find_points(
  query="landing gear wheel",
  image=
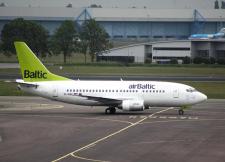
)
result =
(181, 112)
(111, 110)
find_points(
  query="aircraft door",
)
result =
(176, 93)
(55, 91)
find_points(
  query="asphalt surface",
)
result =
(36, 129)
(9, 65)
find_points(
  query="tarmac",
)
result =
(36, 129)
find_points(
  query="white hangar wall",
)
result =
(137, 52)
(167, 50)
(164, 51)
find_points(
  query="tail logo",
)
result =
(35, 74)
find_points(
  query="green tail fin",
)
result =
(31, 67)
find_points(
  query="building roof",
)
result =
(39, 13)
(133, 14)
(110, 14)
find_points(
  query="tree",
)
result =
(83, 48)
(0, 46)
(64, 39)
(96, 38)
(32, 33)
(198, 60)
(186, 60)
(212, 60)
(174, 61)
(221, 61)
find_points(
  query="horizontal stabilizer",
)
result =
(27, 84)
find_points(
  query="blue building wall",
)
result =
(124, 30)
(132, 29)
(2, 23)
(147, 29)
(178, 30)
(51, 26)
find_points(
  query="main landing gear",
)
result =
(110, 110)
(181, 112)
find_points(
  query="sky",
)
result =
(205, 4)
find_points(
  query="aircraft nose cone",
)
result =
(203, 97)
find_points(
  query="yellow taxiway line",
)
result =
(107, 137)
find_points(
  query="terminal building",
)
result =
(165, 51)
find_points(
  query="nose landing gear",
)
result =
(181, 110)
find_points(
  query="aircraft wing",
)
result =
(105, 100)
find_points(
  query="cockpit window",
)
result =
(191, 90)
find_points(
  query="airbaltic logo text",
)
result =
(141, 86)
(35, 74)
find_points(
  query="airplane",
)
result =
(124, 95)
(220, 34)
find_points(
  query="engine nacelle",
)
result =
(133, 105)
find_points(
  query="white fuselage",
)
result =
(92, 93)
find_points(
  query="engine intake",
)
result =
(132, 105)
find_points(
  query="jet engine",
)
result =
(132, 105)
